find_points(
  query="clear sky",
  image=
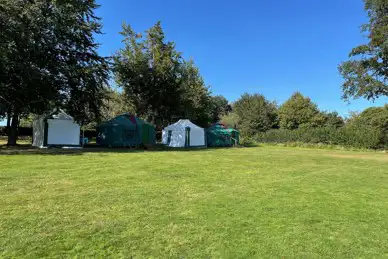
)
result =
(257, 46)
(264, 46)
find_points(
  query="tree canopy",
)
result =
(298, 111)
(162, 86)
(255, 114)
(49, 59)
(366, 74)
(374, 117)
(219, 107)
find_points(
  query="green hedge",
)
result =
(358, 137)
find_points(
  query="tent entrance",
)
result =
(187, 137)
(169, 137)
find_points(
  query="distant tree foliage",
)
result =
(255, 114)
(332, 119)
(195, 100)
(219, 107)
(116, 104)
(299, 111)
(230, 119)
(367, 74)
(374, 117)
(48, 59)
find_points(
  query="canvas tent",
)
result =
(219, 135)
(125, 131)
(184, 133)
(55, 129)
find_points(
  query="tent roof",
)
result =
(125, 119)
(57, 114)
(183, 124)
(221, 127)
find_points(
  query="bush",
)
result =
(247, 141)
(359, 137)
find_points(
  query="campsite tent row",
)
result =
(60, 129)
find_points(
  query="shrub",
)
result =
(359, 137)
(247, 141)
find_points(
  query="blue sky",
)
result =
(257, 46)
(264, 46)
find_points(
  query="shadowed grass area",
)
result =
(22, 141)
(229, 203)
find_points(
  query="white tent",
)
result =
(183, 133)
(55, 129)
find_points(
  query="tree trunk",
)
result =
(8, 123)
(8, 120)
(13, 131)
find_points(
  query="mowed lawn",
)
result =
(214, 203)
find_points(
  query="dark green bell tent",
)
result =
(125, 131)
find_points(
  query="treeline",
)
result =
(299, 120)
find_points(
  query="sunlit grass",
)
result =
(249, 202)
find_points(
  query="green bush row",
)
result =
(358, 137)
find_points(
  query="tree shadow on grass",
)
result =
(29, 150)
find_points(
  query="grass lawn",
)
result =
(229, 203)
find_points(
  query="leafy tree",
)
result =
(255, 114)
(161, 85)
(374, 117)
(116, 104)
(324, 119)
(27, 121)
(219, 106)
(195, 96)
(149, 72)
(367, 74)
(299, 111)
(333, 120)
(230, 119)
(49, 59)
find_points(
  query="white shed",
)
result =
(55, 129)
(184, 133)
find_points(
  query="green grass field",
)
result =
(214, 203)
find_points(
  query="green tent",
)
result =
(218, 135)
(125, 130)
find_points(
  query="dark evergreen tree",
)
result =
(162, 86)
(49, 59)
